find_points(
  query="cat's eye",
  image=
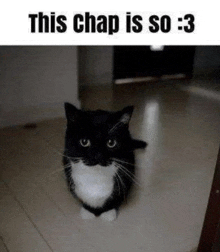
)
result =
(111, 143)
(85, 142)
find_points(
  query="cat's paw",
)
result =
(86, 215)
(110, 215)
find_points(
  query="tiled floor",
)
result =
(167, 206)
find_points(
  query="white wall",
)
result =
(35, 81)
(95, 65)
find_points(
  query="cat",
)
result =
(99, 159)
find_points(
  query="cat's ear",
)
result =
(71, 112)
(126, 114)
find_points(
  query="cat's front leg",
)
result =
(86, 215)
(110, 215)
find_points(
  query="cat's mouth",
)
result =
(96, 162)
(92, 161)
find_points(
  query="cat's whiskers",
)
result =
(73, 159)
(119, 164)
(55, 171)
(121, 161)
(124, 162)
(116, 177)
(122, 167)
(46, 140)
(129, 174)
(122, 183)
(64, 167)
(67, 166)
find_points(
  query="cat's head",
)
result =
(97, 137)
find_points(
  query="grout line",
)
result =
(28, 216)
(52, 200)
(5, 246)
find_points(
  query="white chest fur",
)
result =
(93, 184)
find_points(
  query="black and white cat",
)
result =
(99, 159)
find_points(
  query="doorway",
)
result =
(142, 61)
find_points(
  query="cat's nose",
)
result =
(98, 157)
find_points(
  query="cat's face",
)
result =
(97, 137)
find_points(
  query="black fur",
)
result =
(99, 126)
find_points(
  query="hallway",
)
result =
(174, 174)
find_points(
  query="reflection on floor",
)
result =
(167, 206)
